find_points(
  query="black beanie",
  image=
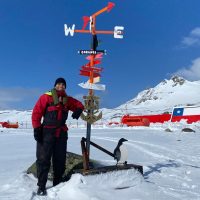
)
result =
(60, 80)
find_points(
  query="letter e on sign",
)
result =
(118, 32)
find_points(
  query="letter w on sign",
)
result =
(69, 30)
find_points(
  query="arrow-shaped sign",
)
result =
(92, 86)
(97, 56)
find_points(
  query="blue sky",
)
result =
(161, 38)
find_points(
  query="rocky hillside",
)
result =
(160, 99)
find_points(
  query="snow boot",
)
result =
(56, 181)
(42, 191)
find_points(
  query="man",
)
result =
(51, 134)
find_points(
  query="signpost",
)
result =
(92, 70)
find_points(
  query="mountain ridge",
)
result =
(176, 91)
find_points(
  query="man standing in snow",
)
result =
(51, 134)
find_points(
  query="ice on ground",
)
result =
(171, 163)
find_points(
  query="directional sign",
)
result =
(95, 62)
(97, 56)
(91, 52)
(92, 86)
(87, 73)
(92, 69)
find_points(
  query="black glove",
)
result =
(38, 134)
(76, 114)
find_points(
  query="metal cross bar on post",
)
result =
(92, 70)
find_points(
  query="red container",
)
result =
(135, 121)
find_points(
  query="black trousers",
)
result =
(51, 148)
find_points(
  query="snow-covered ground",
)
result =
(171, 160)
(171, 163)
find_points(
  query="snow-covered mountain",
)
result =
(160, 99)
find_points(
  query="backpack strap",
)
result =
(53, 93)
(55, 96)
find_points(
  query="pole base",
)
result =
(111, 168)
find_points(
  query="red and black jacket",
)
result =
(53, 111)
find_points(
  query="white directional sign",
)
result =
(92, 86)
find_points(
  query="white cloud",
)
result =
(196, 32)
(17, 95)
(193, 39)
(191, 72)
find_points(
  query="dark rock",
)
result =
(166, 112)
(74, 162)
(177, 80)
(188, 130)
(168, 130)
